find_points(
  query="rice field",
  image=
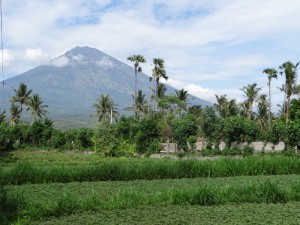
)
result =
(39, 189)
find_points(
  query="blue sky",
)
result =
(209, 46)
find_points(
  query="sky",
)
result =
(210, 47)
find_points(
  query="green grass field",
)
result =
(270, 196)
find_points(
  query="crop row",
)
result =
(202, 194)
(246, 214)
(146, 169)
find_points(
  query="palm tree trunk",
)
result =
(135, 81)
(155, 98)
(287, 110)
(270, 103)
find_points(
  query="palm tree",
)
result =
(2, 116)
(137, 59)
(141, 102)
(158, 73)
(262, 113)
(35, 104)
(244, 109)
(105, 108)
(226, 107)
(22, 96)
(290, 87)
(15, 114)
(251, 93)
(161, 91)
(221, 105)
(272, 73)
(182, 96)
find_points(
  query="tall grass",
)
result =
(24, 172)
(203, 195)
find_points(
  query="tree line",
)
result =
(162, 117)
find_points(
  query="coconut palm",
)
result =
(15, 114)
(37, 107)
(22, 95)
(137, 59)
(2, 116)
(272, 73)
(221, 105)
(262, 112)
(290, 87)
(251, 93)
(158, 73)
(105, 108)
(161, 91)
(182, 97)
(141, 102)
(226, 107)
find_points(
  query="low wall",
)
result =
(258, 146)
(169, 147)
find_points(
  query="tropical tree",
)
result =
(262, 112)
(161, 91)
(158, 73)
(105, 108)
(35, 104)
(226, 107)
(290, 87)
(15, 114)
(295, 109)
(137, 59)
(2, 116)
(251, 93)
(272, 73)
(22, 95)
(141, 102)
(182, 96)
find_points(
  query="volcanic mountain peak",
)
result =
(71, 83)
(84, 56)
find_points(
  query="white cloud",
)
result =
(105, 63)
(60, 61)
(204, 93)
(78, 58)
(35, 55)
(222, 44)
(8, 58)
(194, 89)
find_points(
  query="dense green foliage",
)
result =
(184, 128)
(240, 129)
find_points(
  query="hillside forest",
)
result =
(160, 118)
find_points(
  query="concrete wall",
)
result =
(258, 146)
(169, 147)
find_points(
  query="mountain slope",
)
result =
(71, 83)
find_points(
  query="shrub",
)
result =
(6, 142)
(232, 151)
(148, 131)
(278, 131)
(183, 128)
(293, 131)
(240, 129)
(247, 150)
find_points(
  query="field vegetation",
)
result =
(44, 191)
(103, 175)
